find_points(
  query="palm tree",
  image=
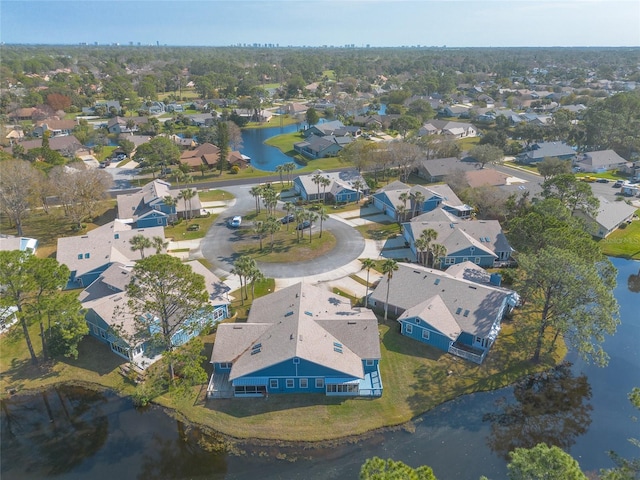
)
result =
(322, 216)
(358, 185)
(255, 275)
(418, 198)
(421, 246)
(140, 242)
(271, 226)
(256, 192)
(280, 169)
(325, 182)
(401, 210)
(187, 194)
(367, 264)
(429, 236)
(270, 199)
(260, 229)
(404, 196)
(289, 168)
(300, 217)
(170, 202)
(317, 179)
(388, 267)
(159, 244)
(243, 267)
(438, 251)
(312, 217)
(289, 207)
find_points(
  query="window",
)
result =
(103, 334)
(369, 363)
(319, 382)
(465, 259)
(296, 360)
(449, 260)
(290, 383)
(304, 383)
(116, 236)
(225, 365)
(425, 334)
(79, 256)
(476, 260)
(408, 328)
(273, 383)
(86, 255)
(417, 320)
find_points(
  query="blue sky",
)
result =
(454, 23)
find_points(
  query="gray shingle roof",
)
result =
(474, 306)
(299, 321)
(100, 246)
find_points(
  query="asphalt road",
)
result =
(217, 245)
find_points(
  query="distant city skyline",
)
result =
(357, 23)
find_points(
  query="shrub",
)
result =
(235, 169)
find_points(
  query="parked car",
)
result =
(288, 219)
(588, 178)
(235, 222)
(602, 180)
(303, 225)
(618, 184)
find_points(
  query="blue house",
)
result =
(321, 147)
(418, 199)
(342, 186)
(539, 151)
(458, 311)
(148, 207)
(301, 339)
(88, 255)
(481, 242)
(111, 322)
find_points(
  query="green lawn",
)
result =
(416, 378)
(214, 195)
(623, 242)
(180, 231)
(379, 231)
(286, 247)
(48, 227)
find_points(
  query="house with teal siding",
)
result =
(479, 241)
(417, 200)
(148, 206)
(458, 311)
(301, 339)
(110, 320)
(342, 187)
(88, 255)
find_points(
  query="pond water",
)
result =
(72, 433)
(265, 157)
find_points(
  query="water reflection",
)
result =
(54, 431)
(190, 454)
(551, 407)
(633, 282)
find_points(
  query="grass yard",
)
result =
(47, 228)
(286, 248)
(181, 230)
(214, 195)
(623, 242)
(379, 231)
(416, 378)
